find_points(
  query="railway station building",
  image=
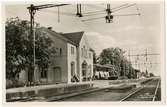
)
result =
(73, 61)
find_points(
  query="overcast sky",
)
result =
(127, 32)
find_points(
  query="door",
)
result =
(56, 74)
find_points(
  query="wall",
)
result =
(89, 61)
(58, 61)
(64, 60)
(71, 58)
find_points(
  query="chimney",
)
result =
(50, 28)
(60, 32)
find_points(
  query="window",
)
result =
(84, 69)
(72, 69)
(86, 53)
(82, 52)
(89, 72)
(72, 50)
(60, 51)
(44, 74)
(90, 55)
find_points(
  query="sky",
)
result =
(134, 33)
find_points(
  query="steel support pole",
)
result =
(80, 10)
(77, 10)
(32, 40)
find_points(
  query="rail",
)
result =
(129, 95)
(156, 91)
(138, 89)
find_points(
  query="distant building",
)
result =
(73, 61)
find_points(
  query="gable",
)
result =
(75, 37)
(84, 42)
(54, 34)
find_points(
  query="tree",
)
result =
(111, 56)
(115, 56)
(19, 48)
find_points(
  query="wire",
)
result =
(104, 10)
(52, 11)
(124, 7)
(131, 14)
(49, 6)
(95, 6)
(93, 19)
(119, 6)
(95, 11)
(95, 14)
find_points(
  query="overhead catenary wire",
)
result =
(146, 62)
(95, 11)
(130, 14)
(55, 12)
(99, 11)
(119, 6)
(93, 19)
(124, 7)
(95, 6)
(110, 12)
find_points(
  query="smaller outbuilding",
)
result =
(105, 72)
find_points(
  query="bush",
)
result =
(9, 84)
(122, 77)
(14, 84)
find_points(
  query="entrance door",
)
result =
(84, 71)
(56, 74)
(72, 71)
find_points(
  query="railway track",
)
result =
(149, 91)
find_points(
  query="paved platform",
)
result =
(60, 91)
(45, 90)
(30, 88)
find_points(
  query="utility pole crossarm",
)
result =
(46, 6)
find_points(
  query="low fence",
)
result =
(45, 91)
(141, 81)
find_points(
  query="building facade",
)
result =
(72, 61)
